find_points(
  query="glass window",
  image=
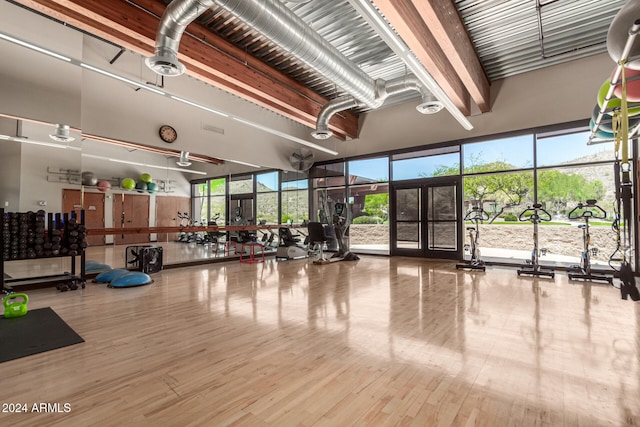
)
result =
(267, 206)
(267, 182)
(498, 155)
(295, 206)
(324, 201)
(328, 175)
(241, 185)
(500, 189)
(218, 208)
(295, 185)
(571, 148)
(561, 189)
(217, 186)
(502, 196)
(369, 230)
(199, 189)
(426, 167)
(369, 170)
(267, 197)
(200, 209)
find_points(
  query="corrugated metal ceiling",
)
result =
(506, 35)
(336, 21)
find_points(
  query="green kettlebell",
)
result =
(15, 308)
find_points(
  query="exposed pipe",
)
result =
(276, 22)
(384, 90)
(334, 106)
(283, 27)
(176, 17)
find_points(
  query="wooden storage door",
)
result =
(167, 209)
(93, 211)
(133, 212)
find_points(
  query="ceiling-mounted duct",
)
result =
(62, 134)
(429, 104)
(184, 159)
(276, 22)
(391, 88)
(283, 27)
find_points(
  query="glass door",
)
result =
(441, 221)
(425, 219)
(407, 221)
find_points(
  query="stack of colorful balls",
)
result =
(144, 183)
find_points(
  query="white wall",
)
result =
(110, 108)
(9, 175)
(34, 85)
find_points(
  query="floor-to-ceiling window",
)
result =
(506, 179)
(328, 182)
(369, 202)
(498, 177)
(199, 202)
(218, 200)
(240, 200)
(503, 175)
(267, 186)
(571, 172)
(294, 187)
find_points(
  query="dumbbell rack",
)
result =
(29, 242)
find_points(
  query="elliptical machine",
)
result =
(535, 214)
(587, 211)
(341, 225)
(475, 215)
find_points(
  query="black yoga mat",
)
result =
(38, 331)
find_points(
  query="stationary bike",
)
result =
(475, 215)
(584, 271)
(535, 214)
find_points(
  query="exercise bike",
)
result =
(584, 271)
(475, 215)
(535, 214)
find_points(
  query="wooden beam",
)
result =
(416, 34)
(207, 57)
(446, 25)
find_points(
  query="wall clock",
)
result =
(168, 134)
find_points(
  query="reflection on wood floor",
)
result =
(381, 341)
(114, 255)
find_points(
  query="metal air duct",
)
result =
(276, 22)
(385, 90)
(62, 134)
(184, 159)
(283, 27)
(176, 17)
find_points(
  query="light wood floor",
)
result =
(384, 341)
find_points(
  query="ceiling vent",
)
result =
(184, 159)
(429, 104)
(62, 134)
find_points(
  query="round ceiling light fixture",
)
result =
(62, 134)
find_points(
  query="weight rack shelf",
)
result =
(26, 241)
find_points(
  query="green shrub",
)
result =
(510, 217)
(367, 220)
